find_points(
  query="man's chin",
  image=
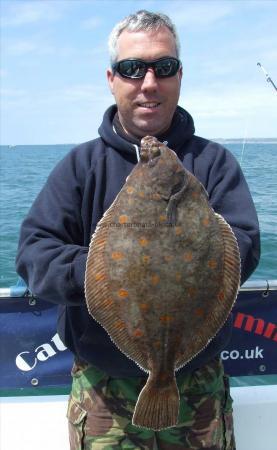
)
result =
(144, 128)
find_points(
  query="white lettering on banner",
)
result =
(27, 360)
(46, 352)
(22, 364)
(253, 353)
(58, 343)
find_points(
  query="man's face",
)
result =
(145, 106)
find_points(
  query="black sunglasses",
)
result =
(137, 68)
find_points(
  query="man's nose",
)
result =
(149, 82)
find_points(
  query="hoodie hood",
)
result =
(181, 130)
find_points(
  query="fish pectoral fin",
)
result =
(171, 210)
(157, 406)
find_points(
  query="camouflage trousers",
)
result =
(100, 412)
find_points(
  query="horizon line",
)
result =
(261, 139)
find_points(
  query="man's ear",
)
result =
(180, 74)
(110, 78)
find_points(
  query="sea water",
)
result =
(25, 168)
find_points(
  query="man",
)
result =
(145, 79)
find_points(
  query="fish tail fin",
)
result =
(157, 406)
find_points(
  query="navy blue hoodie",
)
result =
(55, 235)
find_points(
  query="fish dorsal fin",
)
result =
(231, 279)
(99, 296)
(225, 298)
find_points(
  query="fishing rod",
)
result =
(268, 79)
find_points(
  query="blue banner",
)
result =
(33, 356)
(253, 347)
(31, 352)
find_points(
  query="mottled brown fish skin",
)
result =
(162, 275)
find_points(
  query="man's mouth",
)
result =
(149, 105)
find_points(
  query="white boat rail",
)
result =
(251, 285)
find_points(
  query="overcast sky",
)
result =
(54, 59)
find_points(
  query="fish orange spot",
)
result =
(141, 194)
(117, 256)
(212, 263)
(123, 293)
(157, 344)
(146, 259)
(143, 242)
(221, 296)
(178, 231)
(166, 318)
(206, 221)
(137, 332)
(191, 291)
(100, 276)
(156, 196)
(178, 276)
(168, 258)
(130, 190)
(119, 325)
(162, 218)
(107, 302)
(144, 306)
(155, 279)
(187, 256)
(123, 219)
(199, 312)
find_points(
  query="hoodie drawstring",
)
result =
(137, 152)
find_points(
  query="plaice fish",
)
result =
(162, 275)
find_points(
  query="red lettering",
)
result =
(256, 325)
(249, 323)
(270, 331)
